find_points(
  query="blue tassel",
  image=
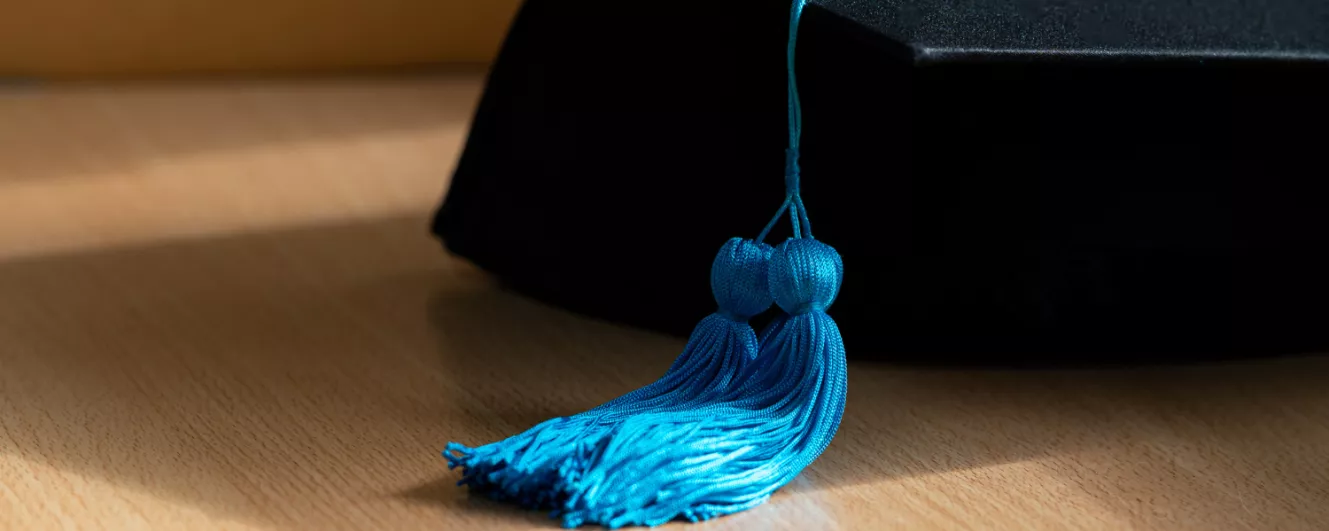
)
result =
(722, 430)
(731, 454)
(530, 467)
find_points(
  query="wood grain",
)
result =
(220, 309)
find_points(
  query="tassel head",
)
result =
(805, 275)
(739, 278)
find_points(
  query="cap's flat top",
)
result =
(945, 30)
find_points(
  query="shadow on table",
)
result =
(444, 492)
(288, 377)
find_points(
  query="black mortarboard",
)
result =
(1008, 182)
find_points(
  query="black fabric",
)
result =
(989, 209)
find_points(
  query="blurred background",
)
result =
(82, 39)
(140, 120)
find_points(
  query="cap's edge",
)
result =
(925, 55)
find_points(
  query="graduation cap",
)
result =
(1011, 182)
(1018, 182)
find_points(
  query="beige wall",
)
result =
(69, 38)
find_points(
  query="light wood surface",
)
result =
(71, 38)
(220, 308)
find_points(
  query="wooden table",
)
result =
(220, 308)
